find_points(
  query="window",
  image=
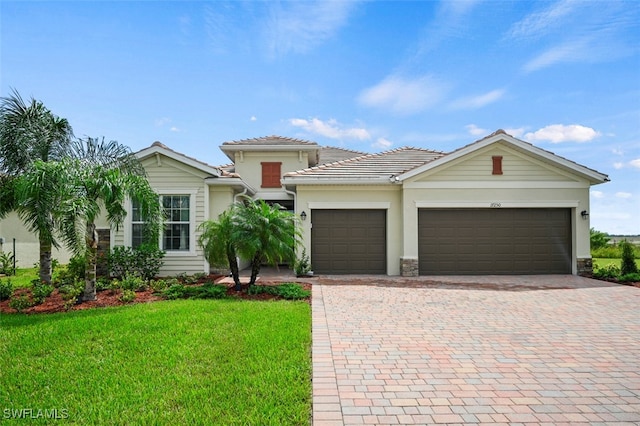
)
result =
(176, 223)
(137, 226)
(271, 175)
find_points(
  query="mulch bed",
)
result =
(106, 298)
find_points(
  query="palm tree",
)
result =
(265, 234)
(101, 174)
(217, 242)
(29, 133)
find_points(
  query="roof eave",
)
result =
(155, 149)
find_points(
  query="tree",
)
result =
(217, 242)
(99, 175)
(628, 263)
(598, 239)
(265, 234)
(29, 132)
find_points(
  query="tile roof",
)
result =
(270, 141)
(371, 166)
(331, 154)
(163, 146)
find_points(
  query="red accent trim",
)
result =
(497, 164)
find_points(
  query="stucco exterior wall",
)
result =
(248, 166)
(387, 197)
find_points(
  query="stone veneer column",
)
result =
(409, 266)
(585, 266)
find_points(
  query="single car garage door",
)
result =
(349, 241)
(494, 241)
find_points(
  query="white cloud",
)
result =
(404, 96)
(382, 143)
(624, 194)
(635, 163)
(300, 26)
(253, 118)
(162, 121)
(571, 51)
(516, 132)
(618, 165)
(617, 151)
(330, 129)
(174, 129)
(557, 133)
(597, 194)
(475, 130)
(478, 101)
(539, 23)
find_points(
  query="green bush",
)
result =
(133, 283)
(211, 291)
(598, 239)
(40, 291)
(630, 278)
(103, 284)
(628, 264)
(302, 265)
(70, 293)
(174, 291)
(71, 273)
(6, 263)
(158, 285)
(128, 296)
(205, 291)
(6, 289)
(292, 291)
(20, 303)
(606, 252)
(144, 261)
(606, 272)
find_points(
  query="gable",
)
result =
(165, 172)
(497, 163)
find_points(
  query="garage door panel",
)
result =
(348, 241)
(494, 241)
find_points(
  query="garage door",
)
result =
(494, 241)
(349, 241)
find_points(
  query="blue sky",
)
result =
(368, 76)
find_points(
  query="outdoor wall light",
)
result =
(303, 215)
(584, 214)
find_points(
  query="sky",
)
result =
(367, 76)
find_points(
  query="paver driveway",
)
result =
(465, 350)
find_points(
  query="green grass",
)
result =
(23, 277)
(179, 362)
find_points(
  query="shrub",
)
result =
(630, 278)
(6, 289)
(20, 303)
(292, 291)
(103, 284)
(211, 291)
(606, 272)
(133, 283)
(187, 279)
(144, 261)
(302, 265)
(628, 264)
(70, 293)
(128, 296)
(175, 291)
(158, 285)
(6, 263)
(74, 271)
(40, 291)
(606, 252)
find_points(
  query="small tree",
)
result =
(628, 264)
(265, 234)
(598, 239)
(217, 242)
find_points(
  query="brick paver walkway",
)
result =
(476, 350)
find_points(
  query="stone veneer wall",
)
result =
(409, 266)
(585, 266)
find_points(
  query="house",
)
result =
(496, 206)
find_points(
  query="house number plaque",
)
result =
(496, 205)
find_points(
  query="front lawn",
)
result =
(179, 362)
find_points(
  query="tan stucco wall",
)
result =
(356, 197)
(248, 166)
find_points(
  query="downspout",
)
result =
(240, 194)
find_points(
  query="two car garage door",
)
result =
(451, 241)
